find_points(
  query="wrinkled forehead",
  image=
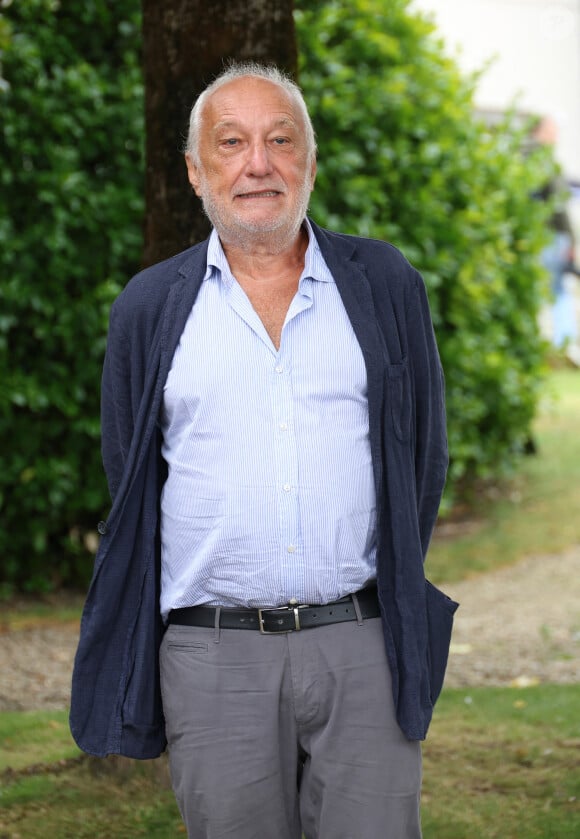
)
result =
(247, 98)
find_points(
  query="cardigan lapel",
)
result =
(355, 290)
(172, 319)
(180, 299)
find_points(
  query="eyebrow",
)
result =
(233, 123)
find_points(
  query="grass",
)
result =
(504, 763)
(498, 763)
(537, 513)
(49, 789)
(27, 737)
(83, 802)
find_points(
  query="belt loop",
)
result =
(357, 611)
(216, 625)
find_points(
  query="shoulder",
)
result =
(386, 267)
(138, 309)
(149, 288)
(368, 251)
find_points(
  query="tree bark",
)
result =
(186, 43)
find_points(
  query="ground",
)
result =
(518, 625)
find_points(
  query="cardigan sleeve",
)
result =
(430, 430)
(117, 420)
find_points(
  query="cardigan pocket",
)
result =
(440, 611)
(399, 395)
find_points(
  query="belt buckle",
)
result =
(291, 607)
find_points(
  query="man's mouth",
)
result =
(263, 193)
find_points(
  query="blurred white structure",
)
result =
(531, 49)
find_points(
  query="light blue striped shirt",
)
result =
(270, 493)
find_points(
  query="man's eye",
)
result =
(230, 141)
(280, 141)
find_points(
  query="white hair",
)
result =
(254, 70)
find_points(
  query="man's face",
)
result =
(254, 174)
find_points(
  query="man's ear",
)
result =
(313, 173)
(192, 173)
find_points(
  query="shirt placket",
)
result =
(291, 545)
(286, 468)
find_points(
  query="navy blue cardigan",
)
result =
(116, 704)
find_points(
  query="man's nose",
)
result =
(259, 162)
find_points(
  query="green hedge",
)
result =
(401, 158)
(70, 234)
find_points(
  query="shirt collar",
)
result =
(315, 266)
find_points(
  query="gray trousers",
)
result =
(273, 735)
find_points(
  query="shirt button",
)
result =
(287, 487)
(279, 369)
(292, 602)
(291, 549)
(283, 426)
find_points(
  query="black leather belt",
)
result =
(288, 618)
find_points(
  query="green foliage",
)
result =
(70, 234)
(402, 157)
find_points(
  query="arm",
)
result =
(117, 418)
(430, 434)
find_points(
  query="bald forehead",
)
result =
(243, 95)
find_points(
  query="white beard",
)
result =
(276, 234)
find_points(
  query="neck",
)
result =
(264, 259)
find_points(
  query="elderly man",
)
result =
(274, 440)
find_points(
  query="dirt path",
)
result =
(515, 626)
(518, 624)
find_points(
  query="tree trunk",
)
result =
(186, 43)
